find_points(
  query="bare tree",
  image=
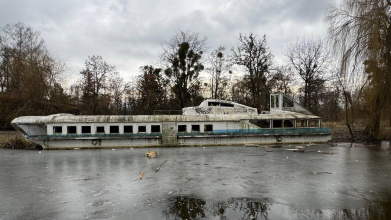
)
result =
(253, 54)
(283, 79)
(220, 72)
(29, 74)
(309, 60)
(95, 79)
(361, 34)
(182, 56)
(117, 87)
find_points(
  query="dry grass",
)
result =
(13, 140)
(340, 132)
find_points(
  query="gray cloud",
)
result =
(129, 33)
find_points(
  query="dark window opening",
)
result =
(288, 124)
(114, 129)
(128, 129)
(261, 123)
(155, 128)
(142, 129)
(100, 129)
(195, 128)
(208, 128)
(313, 123)
(226, 105)
(277, 123)
(57, 129)
(301, 123)
(86, 129)
(220, 104)
(213, 103)
(182, 128)
(71, 130)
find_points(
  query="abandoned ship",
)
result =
(212, 123)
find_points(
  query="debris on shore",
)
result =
(142, 174)
(150, 154)
(157, 169)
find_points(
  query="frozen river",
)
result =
(354, 182)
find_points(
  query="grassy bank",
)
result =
(13, 140)
(340, 133)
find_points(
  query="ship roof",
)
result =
(69, 118)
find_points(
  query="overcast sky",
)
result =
(129, 33)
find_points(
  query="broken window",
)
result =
(128, 129)
(100, 129)
(155, 128)
(277, 123)
(208, 128)
(142, 129)
(261, 123)
(275, 101)
(114, 129)
(86, 129)
(71, 130)
(314, 123)
(195, 128)
(213, 103)
(288, 123)
(57, 129)
(182, 128)
(301, 123)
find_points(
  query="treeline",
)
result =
(32, 79)
(337, 86)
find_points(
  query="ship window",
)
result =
(182, 128)
(155, 128)
(277, 123)
(313, 123)
(142, 129)
(114, 129)
(86, 129)
(57, 129)
(226, 105)
(208, 128)
(288, 123)
(71, 130)
(301, 123)
(195, 128)
(275, 101)
(261, 123)
(128, 129)
(213, 103)
(100, 129)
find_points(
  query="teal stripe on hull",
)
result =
(301, 131)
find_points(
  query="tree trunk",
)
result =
(373, 127)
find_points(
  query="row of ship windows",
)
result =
(114, 129)
(127, 129)
(287, 123)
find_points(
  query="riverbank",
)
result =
(340, 133)
(13, 140)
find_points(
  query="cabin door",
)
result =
(169, 134)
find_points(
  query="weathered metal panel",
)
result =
(169, 134)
